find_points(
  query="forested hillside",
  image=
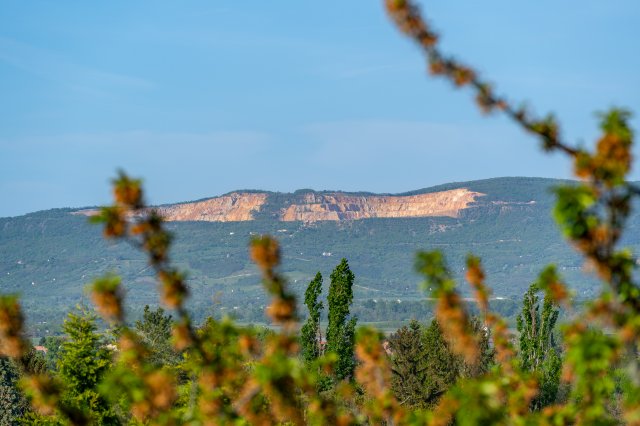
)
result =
(48, 257)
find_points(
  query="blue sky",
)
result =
(203, 97)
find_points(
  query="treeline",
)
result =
(373, 311)
(423, 364)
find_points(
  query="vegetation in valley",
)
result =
(51, 256)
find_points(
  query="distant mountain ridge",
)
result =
(312, 206)
(48, 257)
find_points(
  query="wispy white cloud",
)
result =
(49, 65)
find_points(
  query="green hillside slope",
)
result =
(48, 257)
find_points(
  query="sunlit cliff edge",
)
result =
(234, 207)
(315, 206)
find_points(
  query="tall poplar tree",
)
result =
(311, 334)
(538, 349)
(341, 327)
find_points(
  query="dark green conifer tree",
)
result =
(443, 368)
(408, 364)
(82, 365)
(341, 328)
(155, 330)
(424, 366)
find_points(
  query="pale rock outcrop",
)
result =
(234, 207)
(315, 207)
(337, 206)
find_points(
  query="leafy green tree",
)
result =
(311, 333)
(341, 328)
(538, 350)
(12, 401)
(13, 404)
(155, 331)
(83, 363)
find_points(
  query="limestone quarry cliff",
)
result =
(318, 207)
(234, 207)
(314, 207)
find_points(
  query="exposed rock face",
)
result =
(315, 207)
(318, 207)
(234, 207)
